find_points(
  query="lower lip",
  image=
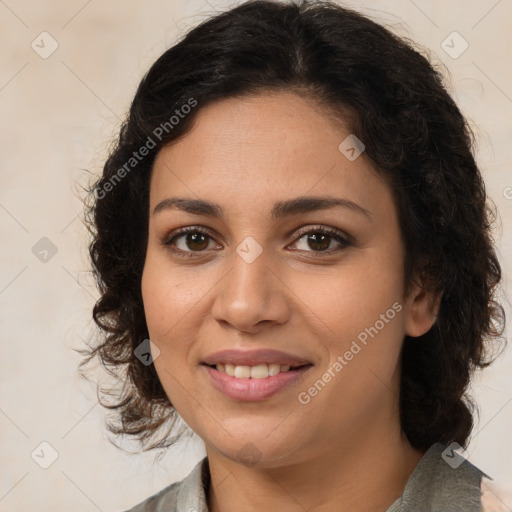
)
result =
(254, 390)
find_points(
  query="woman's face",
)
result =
(256, 276)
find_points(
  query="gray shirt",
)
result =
(437, 484)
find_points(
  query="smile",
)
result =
(254, 383)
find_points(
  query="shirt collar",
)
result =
(193, 491)
(426, 487)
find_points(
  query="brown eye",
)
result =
(195, 241)
(319, 240)
(188, 240)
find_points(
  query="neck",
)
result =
(367, 474)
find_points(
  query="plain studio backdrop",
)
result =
(69, 71)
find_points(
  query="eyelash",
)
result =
(334, 233)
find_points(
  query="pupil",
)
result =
(324, 238)
(195, 238)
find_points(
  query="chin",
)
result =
(264, 450)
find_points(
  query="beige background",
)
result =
(57, 117)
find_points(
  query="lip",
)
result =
(254, 390)
(254, 357)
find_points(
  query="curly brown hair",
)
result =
(395, 101)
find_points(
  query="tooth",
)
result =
(259, 372)
(242, 372)
(274, 369)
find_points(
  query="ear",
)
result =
(421, 311)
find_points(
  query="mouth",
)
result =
(254, 375)
(254, 383)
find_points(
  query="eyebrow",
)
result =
(280, 210)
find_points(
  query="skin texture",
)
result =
(344, 446)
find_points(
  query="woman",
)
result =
(294, 217)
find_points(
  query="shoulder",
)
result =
(187, 494)
(445, 480)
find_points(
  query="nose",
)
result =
(251, 295)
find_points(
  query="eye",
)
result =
(189, 240)
(192, 239)
(320, 239)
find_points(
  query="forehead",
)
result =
(278, 122)
(248, 151)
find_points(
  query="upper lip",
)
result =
(254, 357)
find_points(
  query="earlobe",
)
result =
(421, 312)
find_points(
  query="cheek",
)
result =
(355, 296)
(361, 305)
(173, 304)
(163, 312)
(166, 303)
(169, 298)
